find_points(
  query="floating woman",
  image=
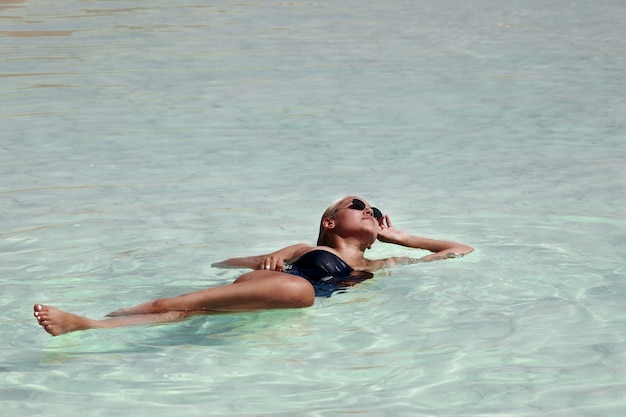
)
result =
(289, 278)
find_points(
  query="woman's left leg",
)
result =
(256, 290)
(58, 322)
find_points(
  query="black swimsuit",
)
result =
(326, 271)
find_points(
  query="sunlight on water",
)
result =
(144, 141)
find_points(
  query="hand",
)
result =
(388, 233)
(271, 263)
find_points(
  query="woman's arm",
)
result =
(440, 248)
(274, 261)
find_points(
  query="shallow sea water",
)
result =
(143, 141)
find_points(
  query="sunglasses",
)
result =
(357, 204)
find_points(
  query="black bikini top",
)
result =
(318, 264)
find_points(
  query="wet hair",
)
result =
(323, 238)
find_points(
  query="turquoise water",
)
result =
(142, 141)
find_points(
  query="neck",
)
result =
(351, 252)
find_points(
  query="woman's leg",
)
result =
(58, 322)
(253, 291)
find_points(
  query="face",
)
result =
(355, 215)
(350, 216)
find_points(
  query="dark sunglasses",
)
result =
(357, 204)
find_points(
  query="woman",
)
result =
(348, 227)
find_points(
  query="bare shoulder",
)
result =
(375, 264)
(298, 250)
(324, 248)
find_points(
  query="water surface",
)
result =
(142, 142)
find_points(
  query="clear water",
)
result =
(142, 141)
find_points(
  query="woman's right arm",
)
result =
(274, 261)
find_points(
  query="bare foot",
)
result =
(58, 322)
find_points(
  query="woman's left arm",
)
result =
(273, 261)
(440, 248)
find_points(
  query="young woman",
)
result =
(288, 278)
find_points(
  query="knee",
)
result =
(160, 305)
(244, 277)
(298, 293)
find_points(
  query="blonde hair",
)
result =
(323, 238)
